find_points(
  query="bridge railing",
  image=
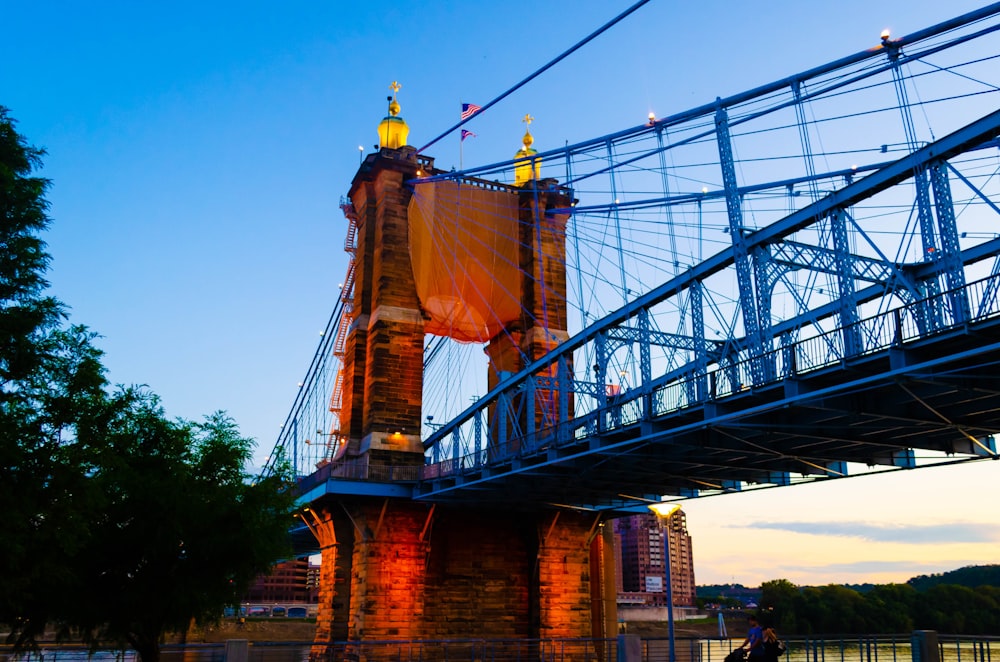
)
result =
(472, 446)
(892, 328)
(841, 648)
(358, 469)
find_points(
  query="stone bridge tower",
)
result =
(394, 568)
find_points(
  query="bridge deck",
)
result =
(937, 394)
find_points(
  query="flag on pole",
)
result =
(467, 134)
(469, 109)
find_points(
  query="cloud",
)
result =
(874, 568)
(914, 534)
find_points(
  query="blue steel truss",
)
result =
(850, 319)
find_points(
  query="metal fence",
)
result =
(823, 648)
(837, 648)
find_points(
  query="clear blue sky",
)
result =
(198, 152)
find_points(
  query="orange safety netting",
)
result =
(464, 252)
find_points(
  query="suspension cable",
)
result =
(562, 56)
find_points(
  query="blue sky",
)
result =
(198, 152)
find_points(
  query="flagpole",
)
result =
(461, 142)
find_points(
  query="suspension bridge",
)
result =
(746, 307)
(795, 283)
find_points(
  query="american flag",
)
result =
(467, 134)
(469, 109)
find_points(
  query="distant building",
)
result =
(289, 582)
(640, 561)
(312, 582)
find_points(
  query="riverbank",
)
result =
(278, 630)
(303, 630)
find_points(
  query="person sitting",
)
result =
(772, 646)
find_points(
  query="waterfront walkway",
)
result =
(920, 646)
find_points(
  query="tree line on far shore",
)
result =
(962, 601)
(886, 608)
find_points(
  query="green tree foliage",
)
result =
(891, 608)
(970, 576)
(778, 600)
(827, 609)
(885, 609)
(184, 530)
(51, 384)
(957, 610)
(120, 524)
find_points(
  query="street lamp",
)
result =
(664, 511)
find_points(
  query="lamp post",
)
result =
(664, 511)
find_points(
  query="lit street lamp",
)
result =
(664, 511)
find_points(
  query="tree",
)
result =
(891, 607)
(51, 382)
(184, 530)
(971, 576)
(120, 524)
(832, 608)
(777, 604)
(956, 609)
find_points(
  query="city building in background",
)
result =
(641, 560)
(292, 582)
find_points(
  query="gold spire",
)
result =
(528, 139)
(528, 169)
(392, 130)
(394, 105)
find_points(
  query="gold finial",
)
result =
(393, 104)
(528, 139)
(527, 167)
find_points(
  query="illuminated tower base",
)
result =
(401, 570)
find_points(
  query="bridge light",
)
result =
(885, 35)
(663, 509)
(652, 117)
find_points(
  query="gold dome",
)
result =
(527, 169)
(392, 130)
